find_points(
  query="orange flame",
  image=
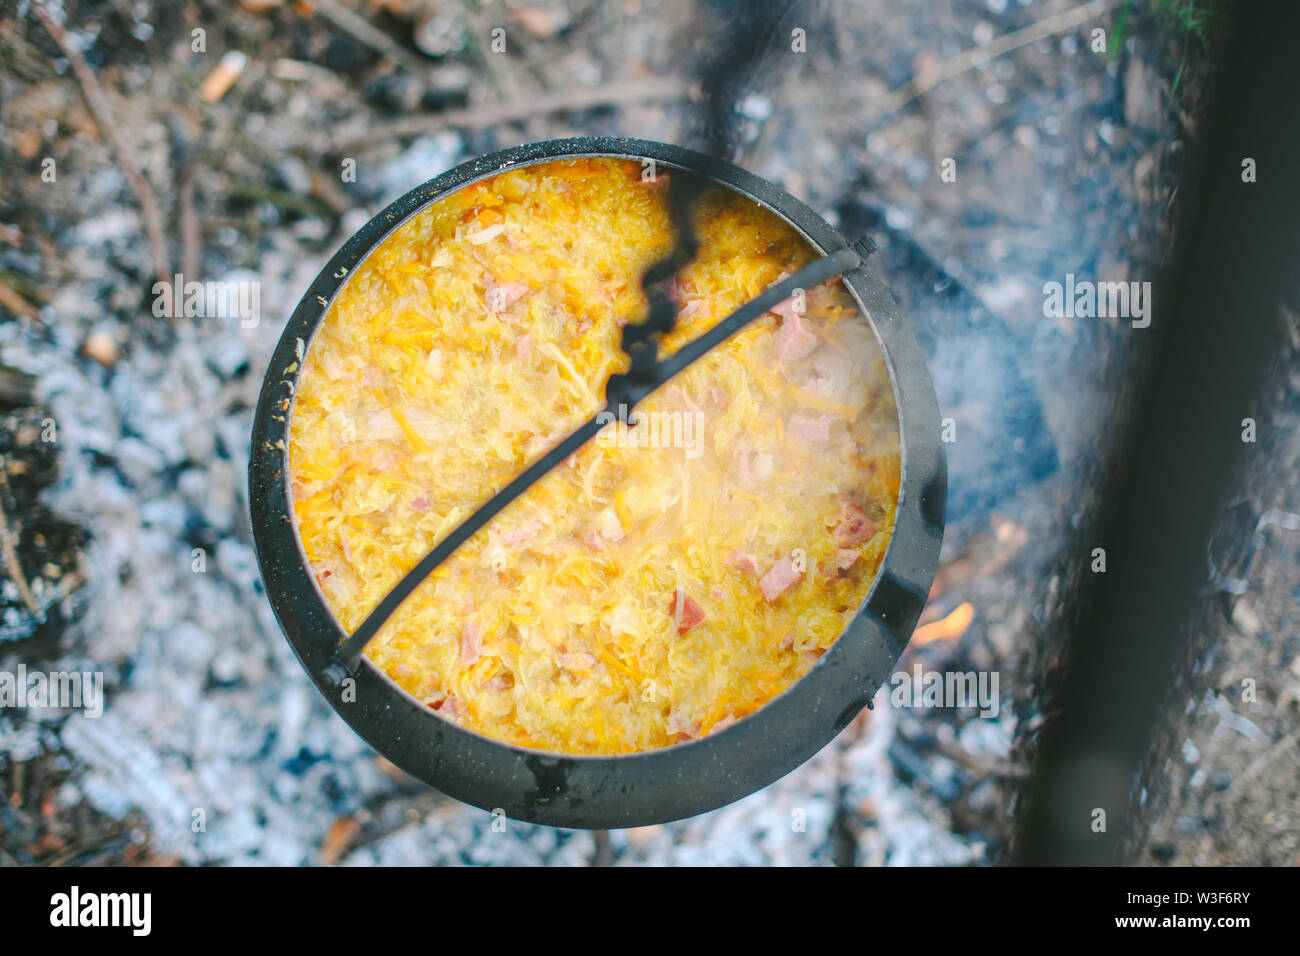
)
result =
(947, 629)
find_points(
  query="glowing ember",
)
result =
(946, 629)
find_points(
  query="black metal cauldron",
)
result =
(631, 789)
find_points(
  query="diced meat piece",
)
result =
(682, 724)
(855, 525)
(500, 682)
(719, 395)
(778, 580)
(744, 469)
(675, 396)
(753, 467)
(723, 724)
(420, 504)
(524, 533)
(500, 296)
(785, 308)
(845, 558)
(383, 459)
(807, 429)
(577, 661)
(524, 347)
(471, 642)
(690, 611)
(793, 340)
(673, 289)
(448, 706)
(745, 563)
(536, 444)
(689, 309)
(516, 536)
(593, 540)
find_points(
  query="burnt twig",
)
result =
(187, 216)
(9, 547)
(13, 300)
(111, 130)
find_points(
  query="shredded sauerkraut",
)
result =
(646, 592)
